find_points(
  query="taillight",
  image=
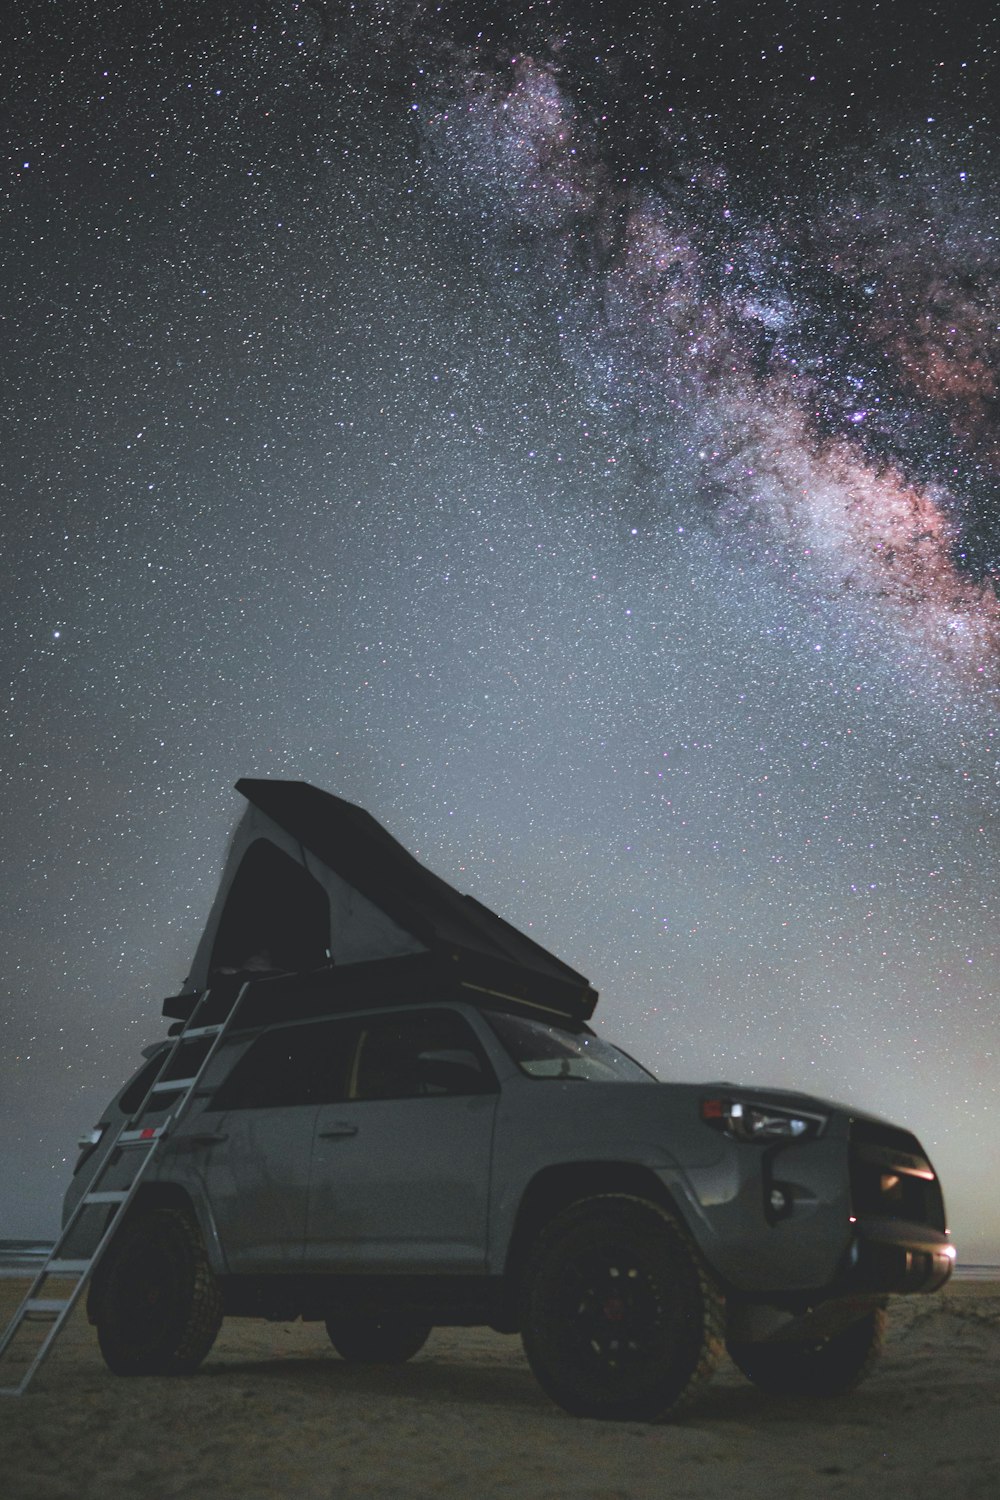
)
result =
(88, 1144)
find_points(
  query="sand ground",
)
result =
(274, 1412)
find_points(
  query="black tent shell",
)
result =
(315, 885)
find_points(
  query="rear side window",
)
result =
(141, 1083)
(184, 1064)
(419, 1055)
(306, 1064)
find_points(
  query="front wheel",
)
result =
(620, 1318)
(377, 1338)
(155, 1300)
(821, 1367)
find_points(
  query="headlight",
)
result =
(752, 1121)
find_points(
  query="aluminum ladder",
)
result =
(89, 1230)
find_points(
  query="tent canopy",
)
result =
(313, 882)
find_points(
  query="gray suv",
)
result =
(437, 1137)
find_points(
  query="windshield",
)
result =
(543, 1051)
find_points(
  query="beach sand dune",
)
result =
(274, 1412)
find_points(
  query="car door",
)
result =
(254, 1143)
(401, 1166)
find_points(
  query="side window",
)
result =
(420, 1055)
(186, 1061)
(305, 1064)
(141, 1083)
(543, 1051)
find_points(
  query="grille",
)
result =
(891, 1177)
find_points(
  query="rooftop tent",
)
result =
(311, 880)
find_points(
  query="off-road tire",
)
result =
(822, 1367)
(155, 1300)
(620, 1318)
(377, 1338)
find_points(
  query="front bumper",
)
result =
(890, 1255)
(884, 1257)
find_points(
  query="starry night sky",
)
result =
(573, 437)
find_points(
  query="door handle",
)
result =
(342, 1127)
(194, 1142)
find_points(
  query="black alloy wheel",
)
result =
(155, 1300)
(620, 1319)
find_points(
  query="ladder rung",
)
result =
(171, 1085)
(67, 1267)
(146, 1137)
(202, 1031)
(105, 1197)
(45, 1306)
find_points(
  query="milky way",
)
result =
(790, 358)
(573, 438)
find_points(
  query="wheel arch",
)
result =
(555, 1189)
(173, 1195)
(150, 1195)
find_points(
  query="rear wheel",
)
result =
(620, 1319)
(377, 1338)
(822, 1367)
(155, 1300)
